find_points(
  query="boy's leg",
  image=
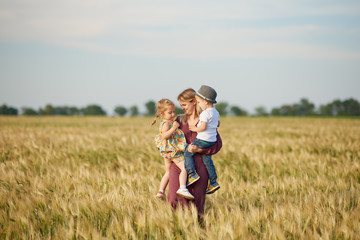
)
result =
(189, 157)
(190, 167)
(210, 168)
(189, 161)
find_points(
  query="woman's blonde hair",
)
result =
(188, 95)
(161, 107)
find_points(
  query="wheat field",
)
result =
(96, 178)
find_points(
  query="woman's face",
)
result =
(188, 107)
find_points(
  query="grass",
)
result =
(96, 177)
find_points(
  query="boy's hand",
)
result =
(176, 124)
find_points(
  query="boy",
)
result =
(206, 137)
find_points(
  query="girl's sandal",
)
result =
(160, 195)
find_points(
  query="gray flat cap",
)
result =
(207, 93)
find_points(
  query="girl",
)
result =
(171, 143)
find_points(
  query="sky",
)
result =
(128, 52)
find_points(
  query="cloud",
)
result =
(221, 43)
(189, 29)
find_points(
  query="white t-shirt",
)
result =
(211, 117)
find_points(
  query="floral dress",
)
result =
(173, 147)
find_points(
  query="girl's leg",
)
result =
(165, 179)
(183, 173)
(183, 191)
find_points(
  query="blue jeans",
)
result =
(189, 160)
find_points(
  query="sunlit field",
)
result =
(96, 177)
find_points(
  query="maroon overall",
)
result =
(198, 188)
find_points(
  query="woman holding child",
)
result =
(190, 118)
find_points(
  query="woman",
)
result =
(191, 110)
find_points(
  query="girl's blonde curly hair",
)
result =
(161, 106)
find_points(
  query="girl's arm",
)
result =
(167, 131)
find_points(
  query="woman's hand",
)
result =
(194, 149)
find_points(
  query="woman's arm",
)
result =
(207, 151)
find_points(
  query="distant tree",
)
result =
(73, 111)
(337, 108)
(351, 107)
(120, 110)
(178, 110)
(5, 110)
(261, 111)
(59, 110)
(93, 110)
(325, 110)
(238, 111)
(134, 111)
(275, 112)
(150, 108)
(305, 108)
(221, 107)
(49, 110)
(29, 111)
(287, 110)
(41, 111)
(348, 107)
(12, 111)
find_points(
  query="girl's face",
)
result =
(169, 113)
(188, 107)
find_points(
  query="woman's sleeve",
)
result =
(215, 148)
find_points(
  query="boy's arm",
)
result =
(201, 128)
(167, 131)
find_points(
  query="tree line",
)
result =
(347, 107)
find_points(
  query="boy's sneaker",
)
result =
(192, 179)
(212, 188)
(160, 195)
(185, 193)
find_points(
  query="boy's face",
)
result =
(203, 104)
(169, 113)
